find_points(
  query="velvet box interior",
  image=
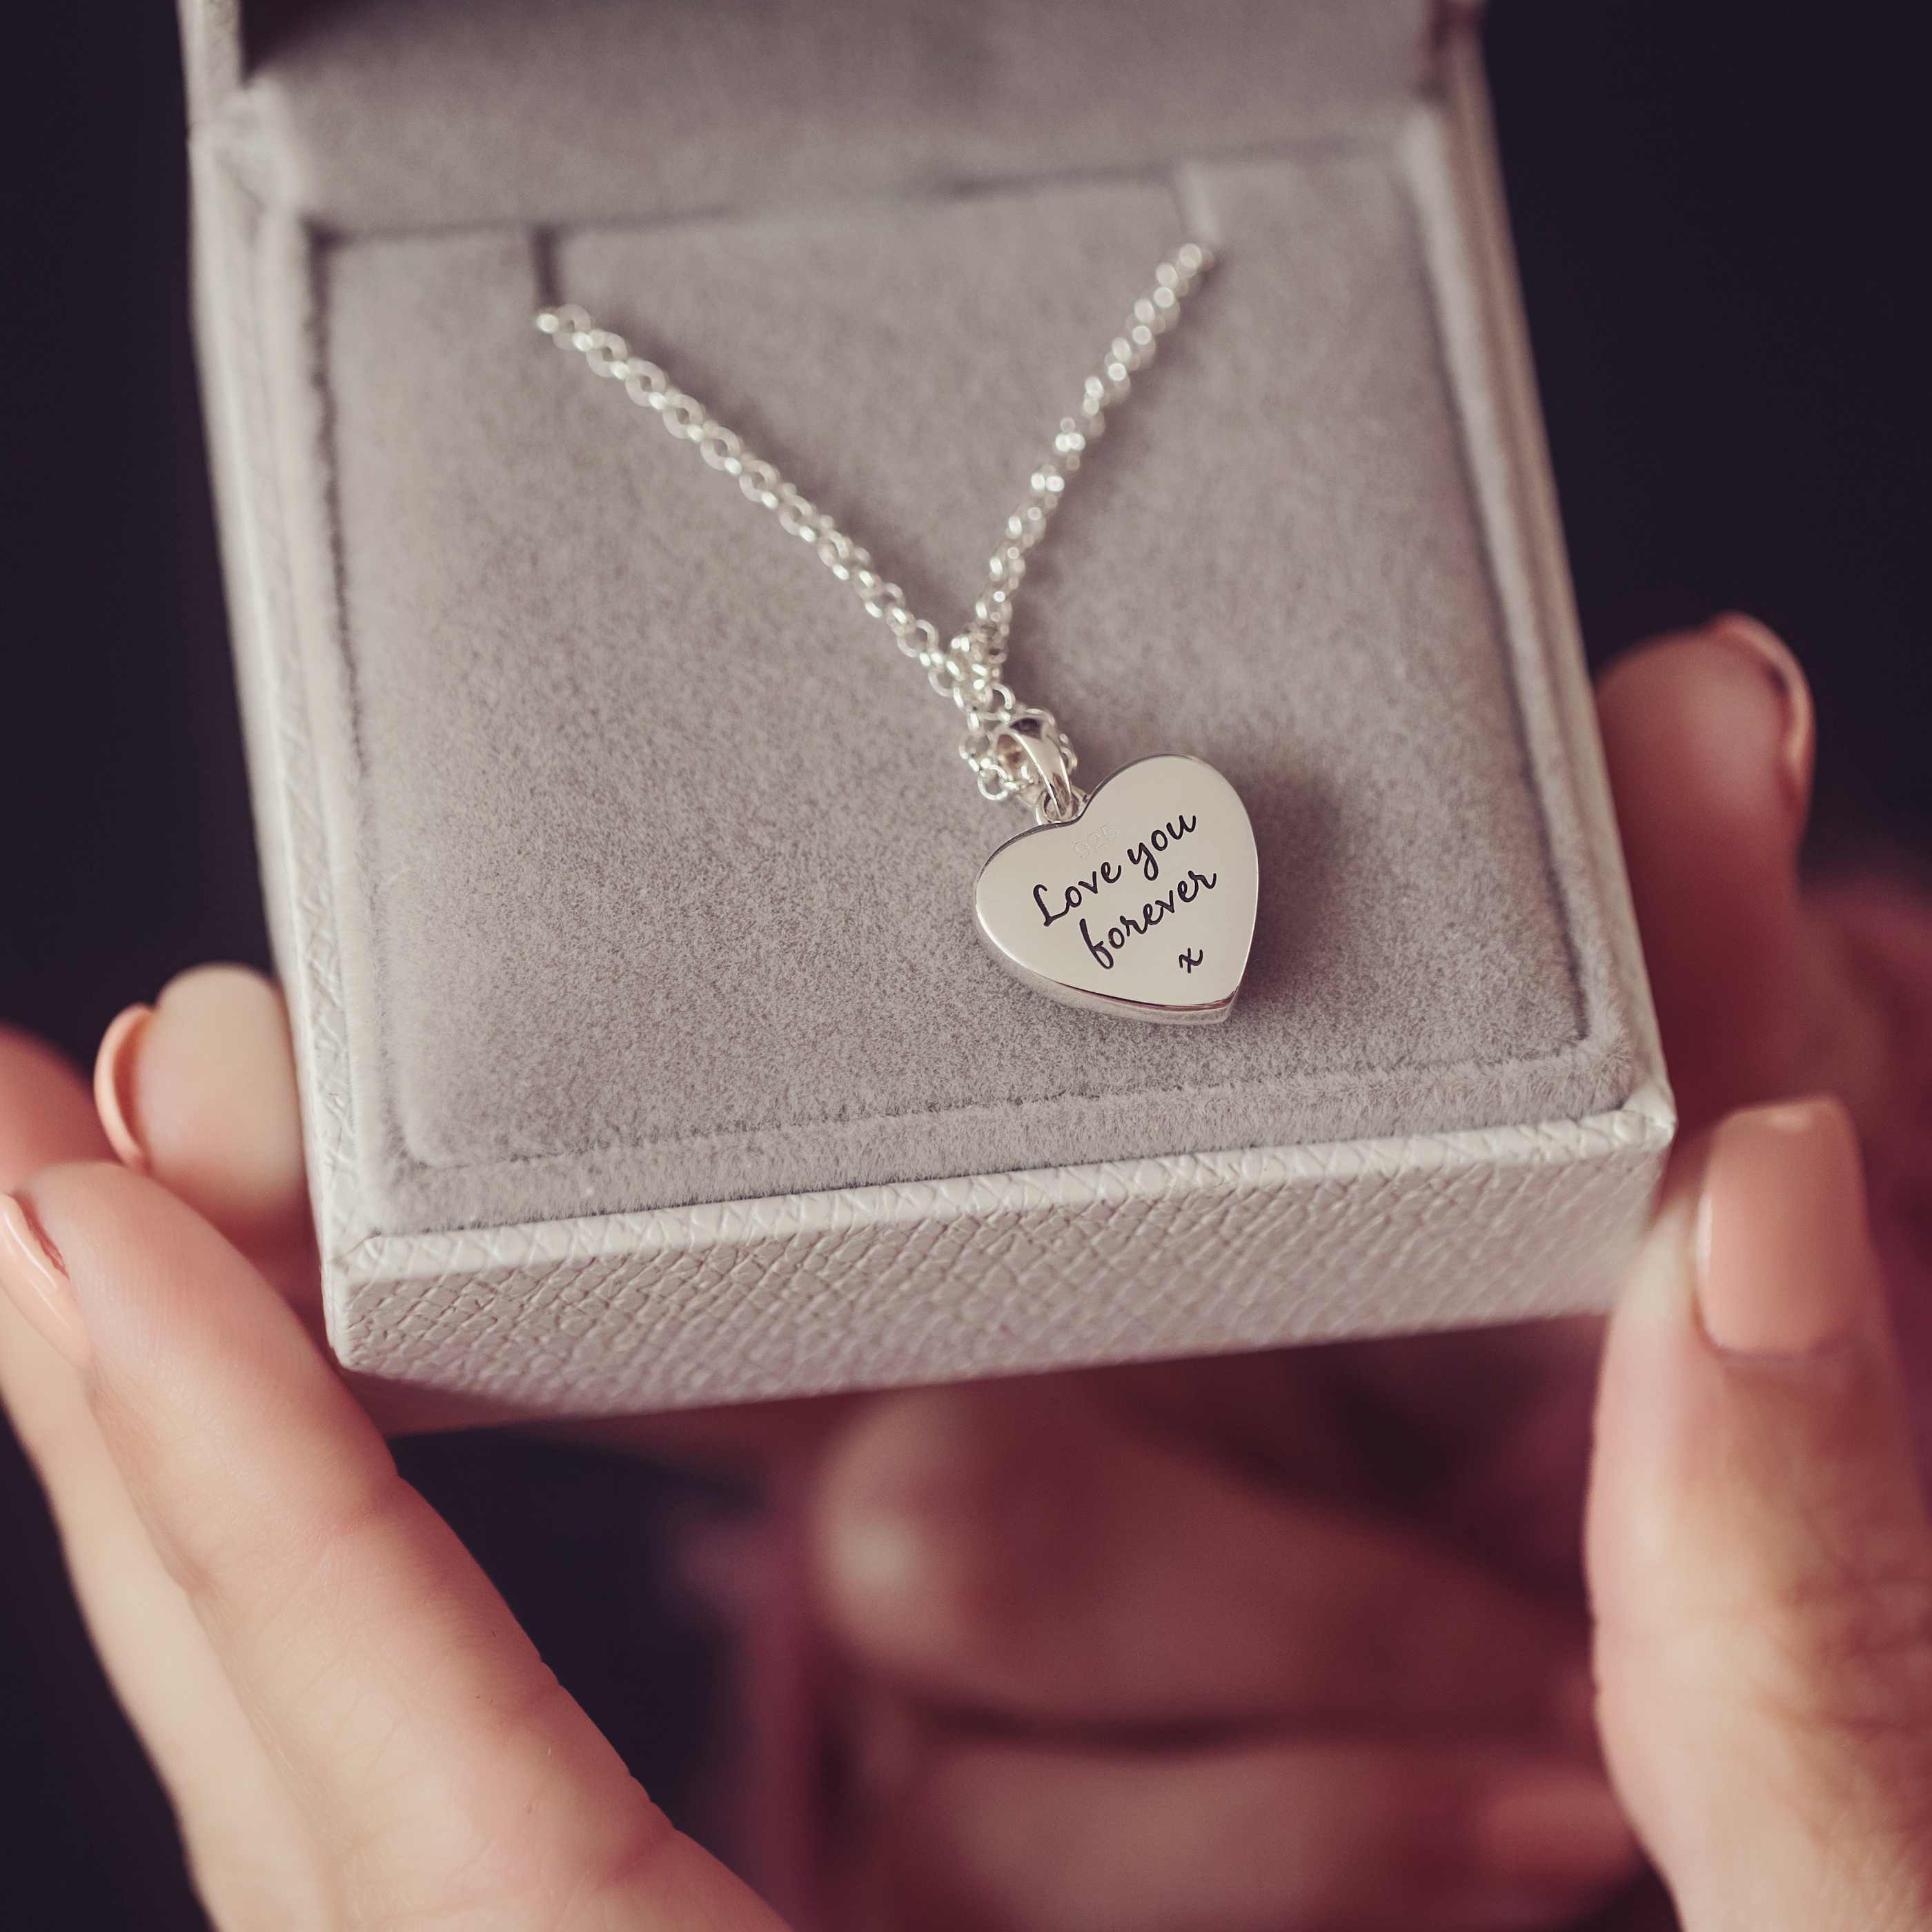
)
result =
(621, 871)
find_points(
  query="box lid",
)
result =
(398, 114)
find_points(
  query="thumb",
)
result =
(1760, 1560)
(443, 1775)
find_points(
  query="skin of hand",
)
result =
(353, 1728)
(1147, 1649)
(1760, 1558)
(1123, 1741)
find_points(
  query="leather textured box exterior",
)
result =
(1001, 1272)
(981, 1274)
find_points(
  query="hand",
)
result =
(1760, 1559)
(1366, 1747)
(351, 1727)
(198, 1094)
(1106, 1678)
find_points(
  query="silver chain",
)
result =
(1002, 738)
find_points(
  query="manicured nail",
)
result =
(113, 1082)
(1556, 1827)
(1797, 747)
(35, 1279)
(1783, 1254)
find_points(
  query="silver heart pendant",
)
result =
(1144, 905)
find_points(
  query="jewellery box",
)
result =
(621, 873)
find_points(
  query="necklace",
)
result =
(1137, 899)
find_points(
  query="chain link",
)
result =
(965, 667)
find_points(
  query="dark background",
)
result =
(1718, 211)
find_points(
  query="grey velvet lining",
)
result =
(419, 113)
(654, 860)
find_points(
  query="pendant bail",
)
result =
(1031, 749)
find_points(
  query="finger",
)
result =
(442, 1766)
(1709, 737)
(1709, 740)
(1018, 1548)
(44, 1113)
(199, 1091)
(249, 1853)
(1878, 1060)
(1339, 1835)
(44, 1118)
(1760, 1554)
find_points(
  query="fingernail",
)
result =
(1783, 1250)
(35, 1279)
(113, 1082)
(1556, 1827)
(1798, 744)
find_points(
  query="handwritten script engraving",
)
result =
(1069, 907)
(1065, 897)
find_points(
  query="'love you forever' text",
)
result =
(1143, 867)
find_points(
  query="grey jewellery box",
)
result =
(621, 872)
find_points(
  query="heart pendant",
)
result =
(1144, 905)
